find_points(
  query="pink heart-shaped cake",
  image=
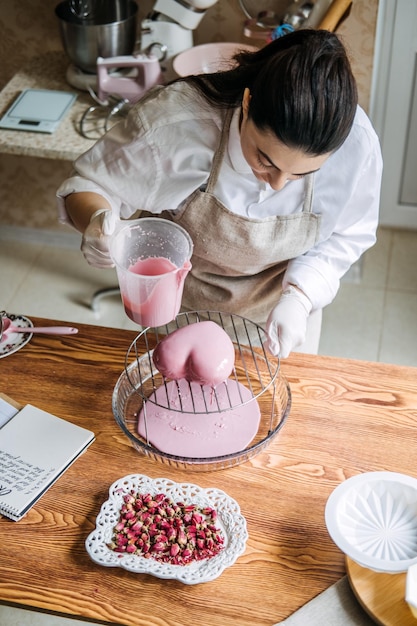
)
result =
(202, 352)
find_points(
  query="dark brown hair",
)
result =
(302, 89)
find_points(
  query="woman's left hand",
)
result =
(287, 323)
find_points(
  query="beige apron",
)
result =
(239, 262)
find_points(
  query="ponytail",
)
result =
(302, 89)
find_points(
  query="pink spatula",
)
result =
(9, 327)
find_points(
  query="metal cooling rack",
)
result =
(254, 367)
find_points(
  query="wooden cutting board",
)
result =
(381, 595)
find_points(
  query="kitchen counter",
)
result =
(45, 72)
(346, 417)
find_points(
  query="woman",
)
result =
(271, 167)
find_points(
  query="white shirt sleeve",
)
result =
(153, 160)
(347, 193)
(76, 184)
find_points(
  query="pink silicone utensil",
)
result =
(9, 327)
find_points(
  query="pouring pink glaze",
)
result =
(202, 353)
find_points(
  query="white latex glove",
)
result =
(96, 238)
(287, 323)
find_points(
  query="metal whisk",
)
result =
(99, 118)
(85, 9)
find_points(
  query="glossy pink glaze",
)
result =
(198, 433)
(201, 352)
(152, 266)
(153, 296)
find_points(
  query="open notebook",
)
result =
(36, 448)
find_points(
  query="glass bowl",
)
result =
(254, 368)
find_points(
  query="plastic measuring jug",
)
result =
(152, 258)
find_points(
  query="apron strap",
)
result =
(309, 192)
(218, 155)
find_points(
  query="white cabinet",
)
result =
(394, 109)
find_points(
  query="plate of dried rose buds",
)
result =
(168, 529)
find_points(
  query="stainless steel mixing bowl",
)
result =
(109, 31)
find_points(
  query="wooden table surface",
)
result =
(347, 417)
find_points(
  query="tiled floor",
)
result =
(374, 316)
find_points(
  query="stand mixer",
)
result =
(100, 41)
(108, 30)
(172, 23)
(100, 38)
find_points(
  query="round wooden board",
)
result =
(381, 595)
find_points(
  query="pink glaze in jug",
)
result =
(152, 258)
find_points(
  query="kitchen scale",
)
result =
(38, 110)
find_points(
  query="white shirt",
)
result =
(164, 150)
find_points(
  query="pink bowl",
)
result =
(209, 57)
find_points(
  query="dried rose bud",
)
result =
(174, 549)
(153, 526)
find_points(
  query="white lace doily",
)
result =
(229, 520)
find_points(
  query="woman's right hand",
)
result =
(96, 238)
(287, 323)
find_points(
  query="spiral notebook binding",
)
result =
(10, 511)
